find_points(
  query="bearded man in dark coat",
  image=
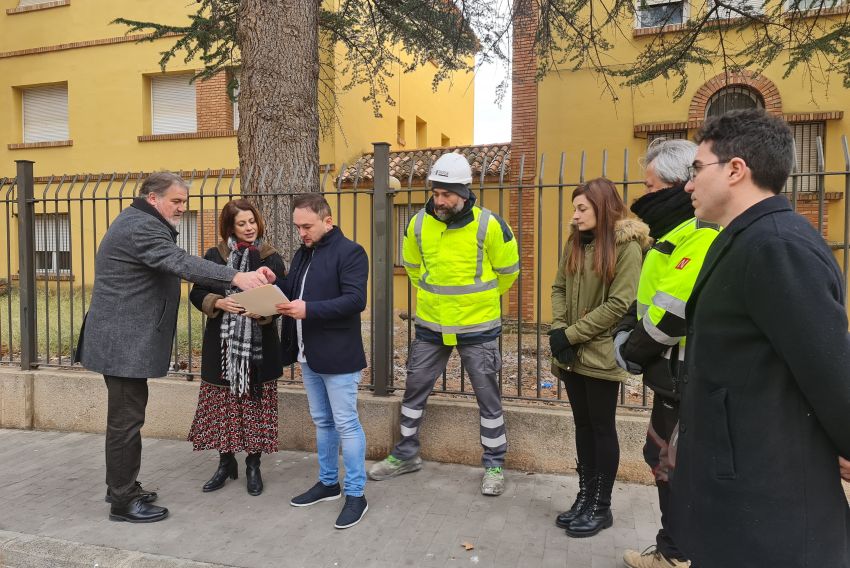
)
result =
(129, 329)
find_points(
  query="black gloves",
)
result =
(560, 346)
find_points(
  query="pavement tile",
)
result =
(52, 487)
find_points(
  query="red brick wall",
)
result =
(214, 107)
(207, 230)
(524, 143)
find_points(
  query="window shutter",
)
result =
(45, 113)
(24, 3)
(173, 105)
(52, 232)
(404, 214)
(666, 135)
(187, 232)
(806, 149)
(748, 6)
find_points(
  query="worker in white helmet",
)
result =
(461, 259)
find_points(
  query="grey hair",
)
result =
(671, 159)
(160, 182)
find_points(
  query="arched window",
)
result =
(732, 98)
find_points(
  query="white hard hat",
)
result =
(451, 168)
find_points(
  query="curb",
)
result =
(18, 550)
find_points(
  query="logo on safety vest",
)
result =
(683, 263)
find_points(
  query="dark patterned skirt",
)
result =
(229, 423)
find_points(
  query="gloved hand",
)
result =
(619, 340)
(560, 346)
(558, 340)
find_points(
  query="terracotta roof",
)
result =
(401, 162)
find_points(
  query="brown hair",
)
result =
(227, 219)
(609, 208)
(315, 202)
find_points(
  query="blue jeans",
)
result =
(333, 407)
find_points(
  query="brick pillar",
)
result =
(524, 143)
(808, 208)
(207, 230)
(214, 107)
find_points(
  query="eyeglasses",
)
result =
(695, 169)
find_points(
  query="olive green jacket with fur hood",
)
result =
(589, 309)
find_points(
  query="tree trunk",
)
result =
(278, 99)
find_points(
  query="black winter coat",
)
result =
(765, 408)
(205, 297)
(335, 294)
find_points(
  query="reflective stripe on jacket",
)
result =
(460, 270)
(666, 280)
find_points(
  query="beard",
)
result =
(446, 213)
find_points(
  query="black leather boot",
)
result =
(252, 474)
(597, 514)
(586, 486)
(227, 467)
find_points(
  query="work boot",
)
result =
(651, 558)
(144, 494)
(252, 473)
(137, 511)
(586, 485)
(493, 482)
(597, 514)
(227, 467)
(391, 466)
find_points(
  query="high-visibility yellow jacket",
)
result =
(667, 278)
(460, 270)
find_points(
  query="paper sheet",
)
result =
(261, 300)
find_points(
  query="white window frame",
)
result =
(686, 11)
(44, 113)
(237, 76)
(52, 236)
(174, 104)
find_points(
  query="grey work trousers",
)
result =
(125, 417)
(426, 363)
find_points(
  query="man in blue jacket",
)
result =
(326, 286)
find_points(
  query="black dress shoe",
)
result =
(147, 496)
(137, 511)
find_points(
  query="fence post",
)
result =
(26, 264)
(382, 271)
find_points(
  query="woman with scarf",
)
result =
(595, 284)
(240, 358)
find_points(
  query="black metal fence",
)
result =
(53, 226)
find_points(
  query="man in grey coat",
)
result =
(129, 330)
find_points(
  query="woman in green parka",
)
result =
(596, 282)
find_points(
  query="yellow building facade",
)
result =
(78, 96)
(113, 120)
(569, 112)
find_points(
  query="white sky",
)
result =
(492, 124)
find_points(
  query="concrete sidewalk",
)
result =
(52, 514)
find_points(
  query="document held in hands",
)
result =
(261, 300)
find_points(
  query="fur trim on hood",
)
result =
(633, 230)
